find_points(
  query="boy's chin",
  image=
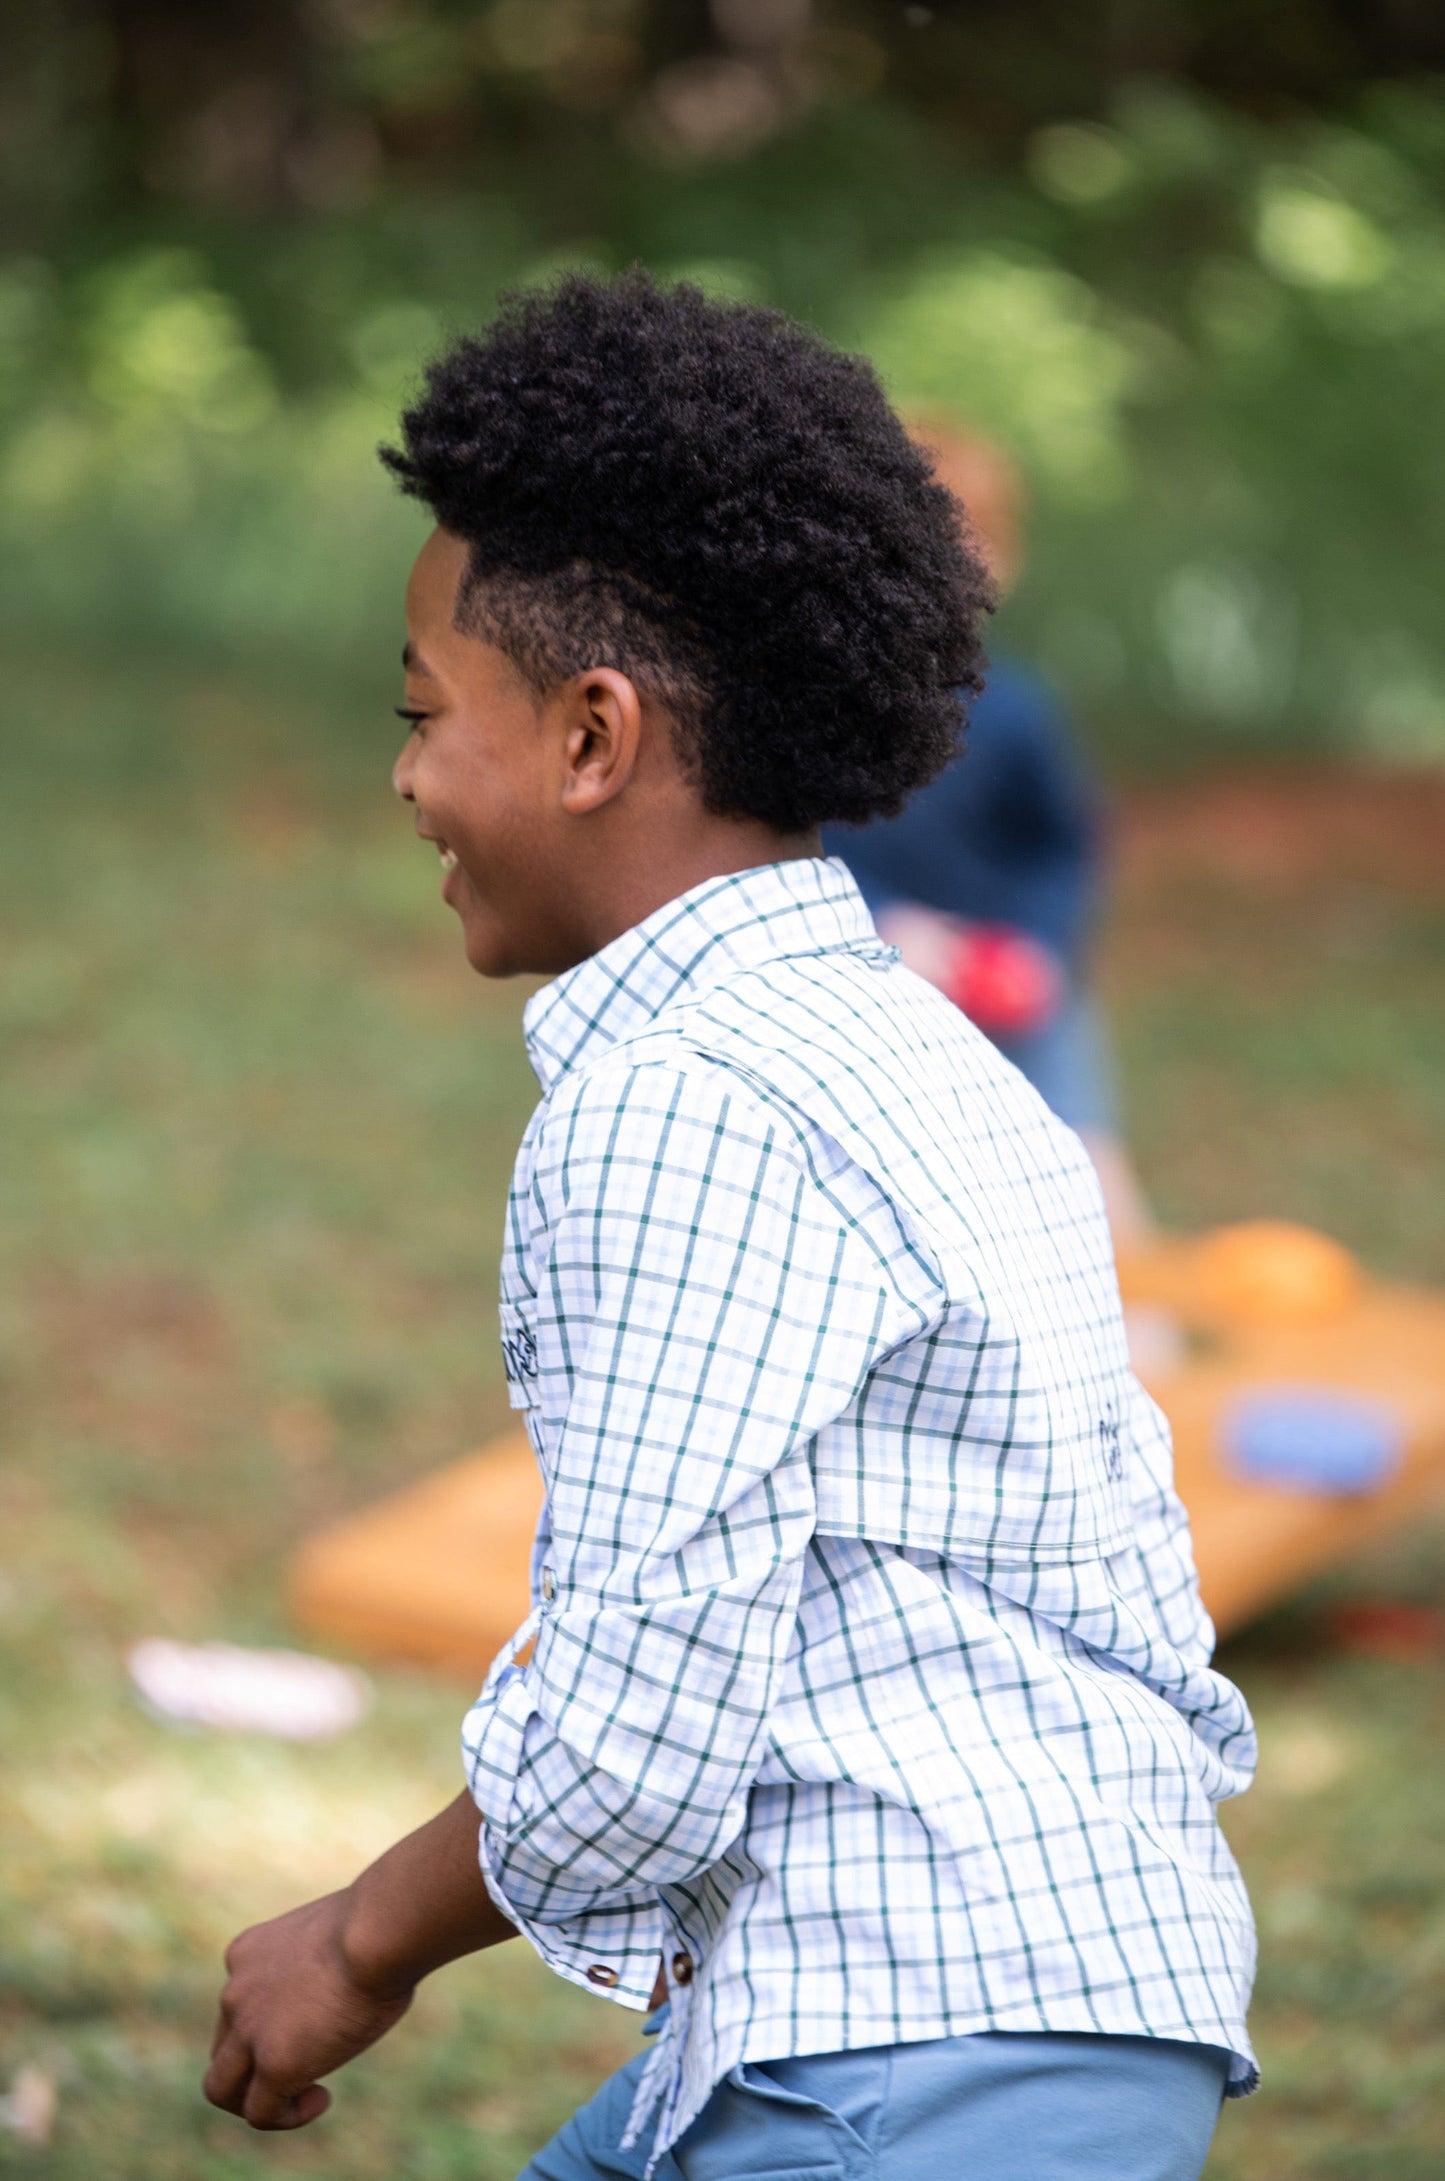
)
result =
(510, 945)
(486, 953)
(491, 950)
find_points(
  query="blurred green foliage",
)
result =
(1212, 336)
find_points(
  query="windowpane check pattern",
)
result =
(871, 1685)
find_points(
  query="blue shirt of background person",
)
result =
(1008, 834)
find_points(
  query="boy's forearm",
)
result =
(422, 1904)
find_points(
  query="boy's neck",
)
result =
(653, 868)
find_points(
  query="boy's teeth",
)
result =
(449, 858)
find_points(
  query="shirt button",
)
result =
(549, 1585)
(682, 1968)
(599, 1973)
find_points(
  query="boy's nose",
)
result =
(401, 775)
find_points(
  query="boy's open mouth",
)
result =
(448, 855)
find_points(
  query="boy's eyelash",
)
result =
(402, 713)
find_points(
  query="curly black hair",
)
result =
(705, 496)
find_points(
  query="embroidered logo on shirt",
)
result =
(1109, 1443)
(519, 1353)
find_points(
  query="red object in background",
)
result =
(1003, 980)
(1412, 1635)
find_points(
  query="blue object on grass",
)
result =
(1313, 1438)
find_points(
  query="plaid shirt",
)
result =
(870, 1684)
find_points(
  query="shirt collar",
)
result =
(808, 905)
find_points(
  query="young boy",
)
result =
(864, 1726)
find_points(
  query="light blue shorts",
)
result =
(996, 2107)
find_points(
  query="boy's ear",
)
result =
(602, 735)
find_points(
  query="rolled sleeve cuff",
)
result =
(494, 1731)
(612, 1950)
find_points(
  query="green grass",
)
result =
(257, 1122)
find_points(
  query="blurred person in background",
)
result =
(989, 881)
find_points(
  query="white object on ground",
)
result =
(29, 2110)
(284, 1693)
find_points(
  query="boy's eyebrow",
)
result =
(414, 663)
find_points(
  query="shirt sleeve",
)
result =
(703, 1306)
